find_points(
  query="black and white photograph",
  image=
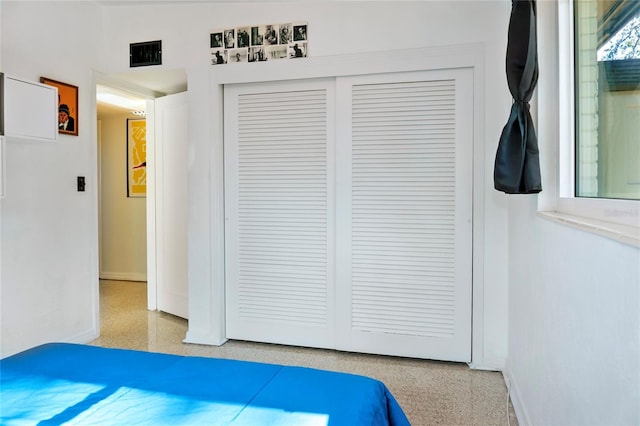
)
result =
(298, 50)
(242, 37)
(237, 55)
(299, 33)
(276, 52)
(257, 54)
(271, 35)
(257, 36)
(218, 56)
(216, 40)
(285, 33)
(259, 43)
(229, 39)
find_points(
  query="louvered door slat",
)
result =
(259, 169)
(407, 313)
(407, 263)
(278, 224)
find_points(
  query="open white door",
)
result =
(171, 137)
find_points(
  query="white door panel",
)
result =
(278, 204)
(171, 199)
(354, 235)
(405, 158)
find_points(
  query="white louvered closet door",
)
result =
(404, 164)
(279, 223)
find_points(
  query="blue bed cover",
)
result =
(62, 383)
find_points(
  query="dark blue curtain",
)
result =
(517, 164)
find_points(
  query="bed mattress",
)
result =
(61, 383)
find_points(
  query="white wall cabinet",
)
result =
(30, 110)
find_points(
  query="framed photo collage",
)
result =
(259, 43)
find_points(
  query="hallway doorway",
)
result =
(122, 212)
(143, 234)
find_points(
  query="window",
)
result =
(607, 99)
(589, 110)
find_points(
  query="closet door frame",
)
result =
(207, 315)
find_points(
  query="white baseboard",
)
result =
(123, 276)
(85, 337)
(489, 364)
(200, 339)
(516, 399)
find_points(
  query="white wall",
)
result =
(49, 256)
(574, 323)
(334, 28)
(123, 242)
(574, 297)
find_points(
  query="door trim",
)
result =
(149, 95)
(207, 317)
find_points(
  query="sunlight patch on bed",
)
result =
(136, 406)
(47, 398)
(252, 416)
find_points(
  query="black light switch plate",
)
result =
(81, 184)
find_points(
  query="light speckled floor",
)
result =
(430, 392)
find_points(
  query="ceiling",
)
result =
(138, 85)
(153, 79)
(105, 109)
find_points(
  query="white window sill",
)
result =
(622, 233)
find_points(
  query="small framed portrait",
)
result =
(298, 50)
(216, 40)
(271, 35)
(276, 52)
(257, 54)
(238, 55)
(299, 33)
(67, 106)
(229, 39)
(257, 36)
(285, 33)
(218, 56)
(242, 37)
